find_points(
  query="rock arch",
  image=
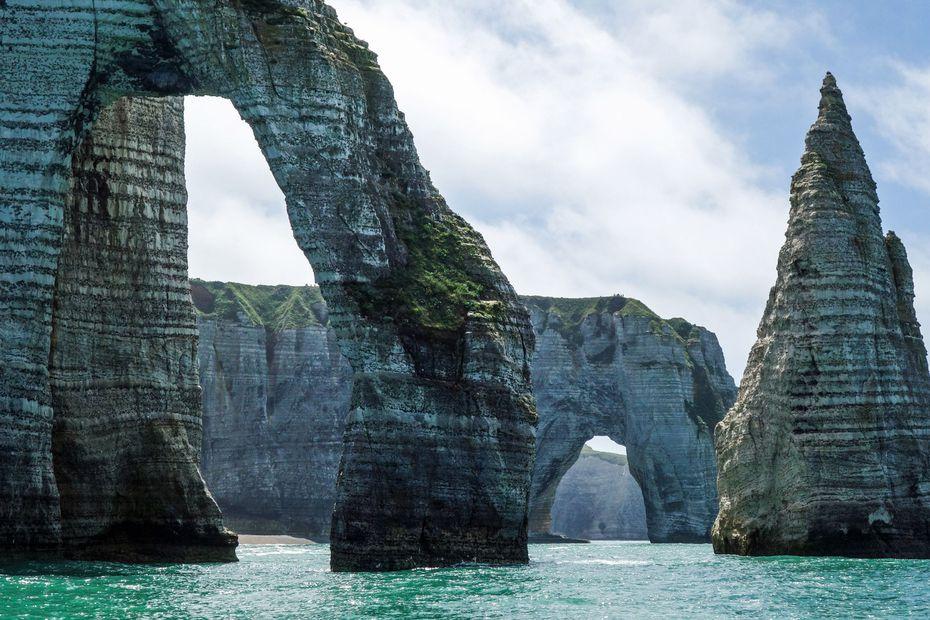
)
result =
(439, 441)
(613, 367)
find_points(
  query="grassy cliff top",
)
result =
(275, 307)
(288, 307)
(574, 310)
(610, 457)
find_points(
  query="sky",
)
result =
(637, 147)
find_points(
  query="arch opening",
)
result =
(598, 498)
(238, 226)
(272, 437)
(657, 387)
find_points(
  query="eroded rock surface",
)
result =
(826, 450)
(598, 499)
(439, 441)
(610, 366)
(126, 425)
(276, 392)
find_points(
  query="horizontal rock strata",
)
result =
(439, 444)
(826, 451)
(276, 392)
(598, 499)
(126, 424)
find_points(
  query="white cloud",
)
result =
(902, 117)
(238, 224)
(570, 146)
(697, 40)
(897, 106)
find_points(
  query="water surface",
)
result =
(600, 580)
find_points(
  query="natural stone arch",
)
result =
(599, 499)
(439, 441)
(614, 368)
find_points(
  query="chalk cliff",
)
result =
(126, 427)
(605, 366)
(598, 499)
(439, 441)
(610, 366)
(826, 450)
(276, 393)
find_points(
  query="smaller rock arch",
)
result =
(614, 368)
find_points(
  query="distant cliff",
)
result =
(598, 499)
(277, 391)
(611, 366)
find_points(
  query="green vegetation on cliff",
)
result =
(682, 327)
(448, 276)
(274, 307)
(609, 457)
(571, 313)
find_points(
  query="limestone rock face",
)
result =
(276, 392)
(126, 426)
(610, 366)
(439, 442)
(826, 449)
(598, 499)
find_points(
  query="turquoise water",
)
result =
(600, 580)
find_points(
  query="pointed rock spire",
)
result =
(832, 107)
(832, 143)
(826, 448)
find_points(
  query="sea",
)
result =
(596, 580)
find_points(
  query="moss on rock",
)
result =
(571, 313)
(446, 278)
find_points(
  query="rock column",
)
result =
(826, 451)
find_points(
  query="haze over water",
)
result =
(597, 580)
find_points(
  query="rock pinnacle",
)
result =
(826, 448)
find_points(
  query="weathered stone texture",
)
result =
(126, 424)
(276, 394)
(610, 366)
(439, 443)
(826, 450)
(598, 499)
(36, 101)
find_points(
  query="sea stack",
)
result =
(826, 450)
